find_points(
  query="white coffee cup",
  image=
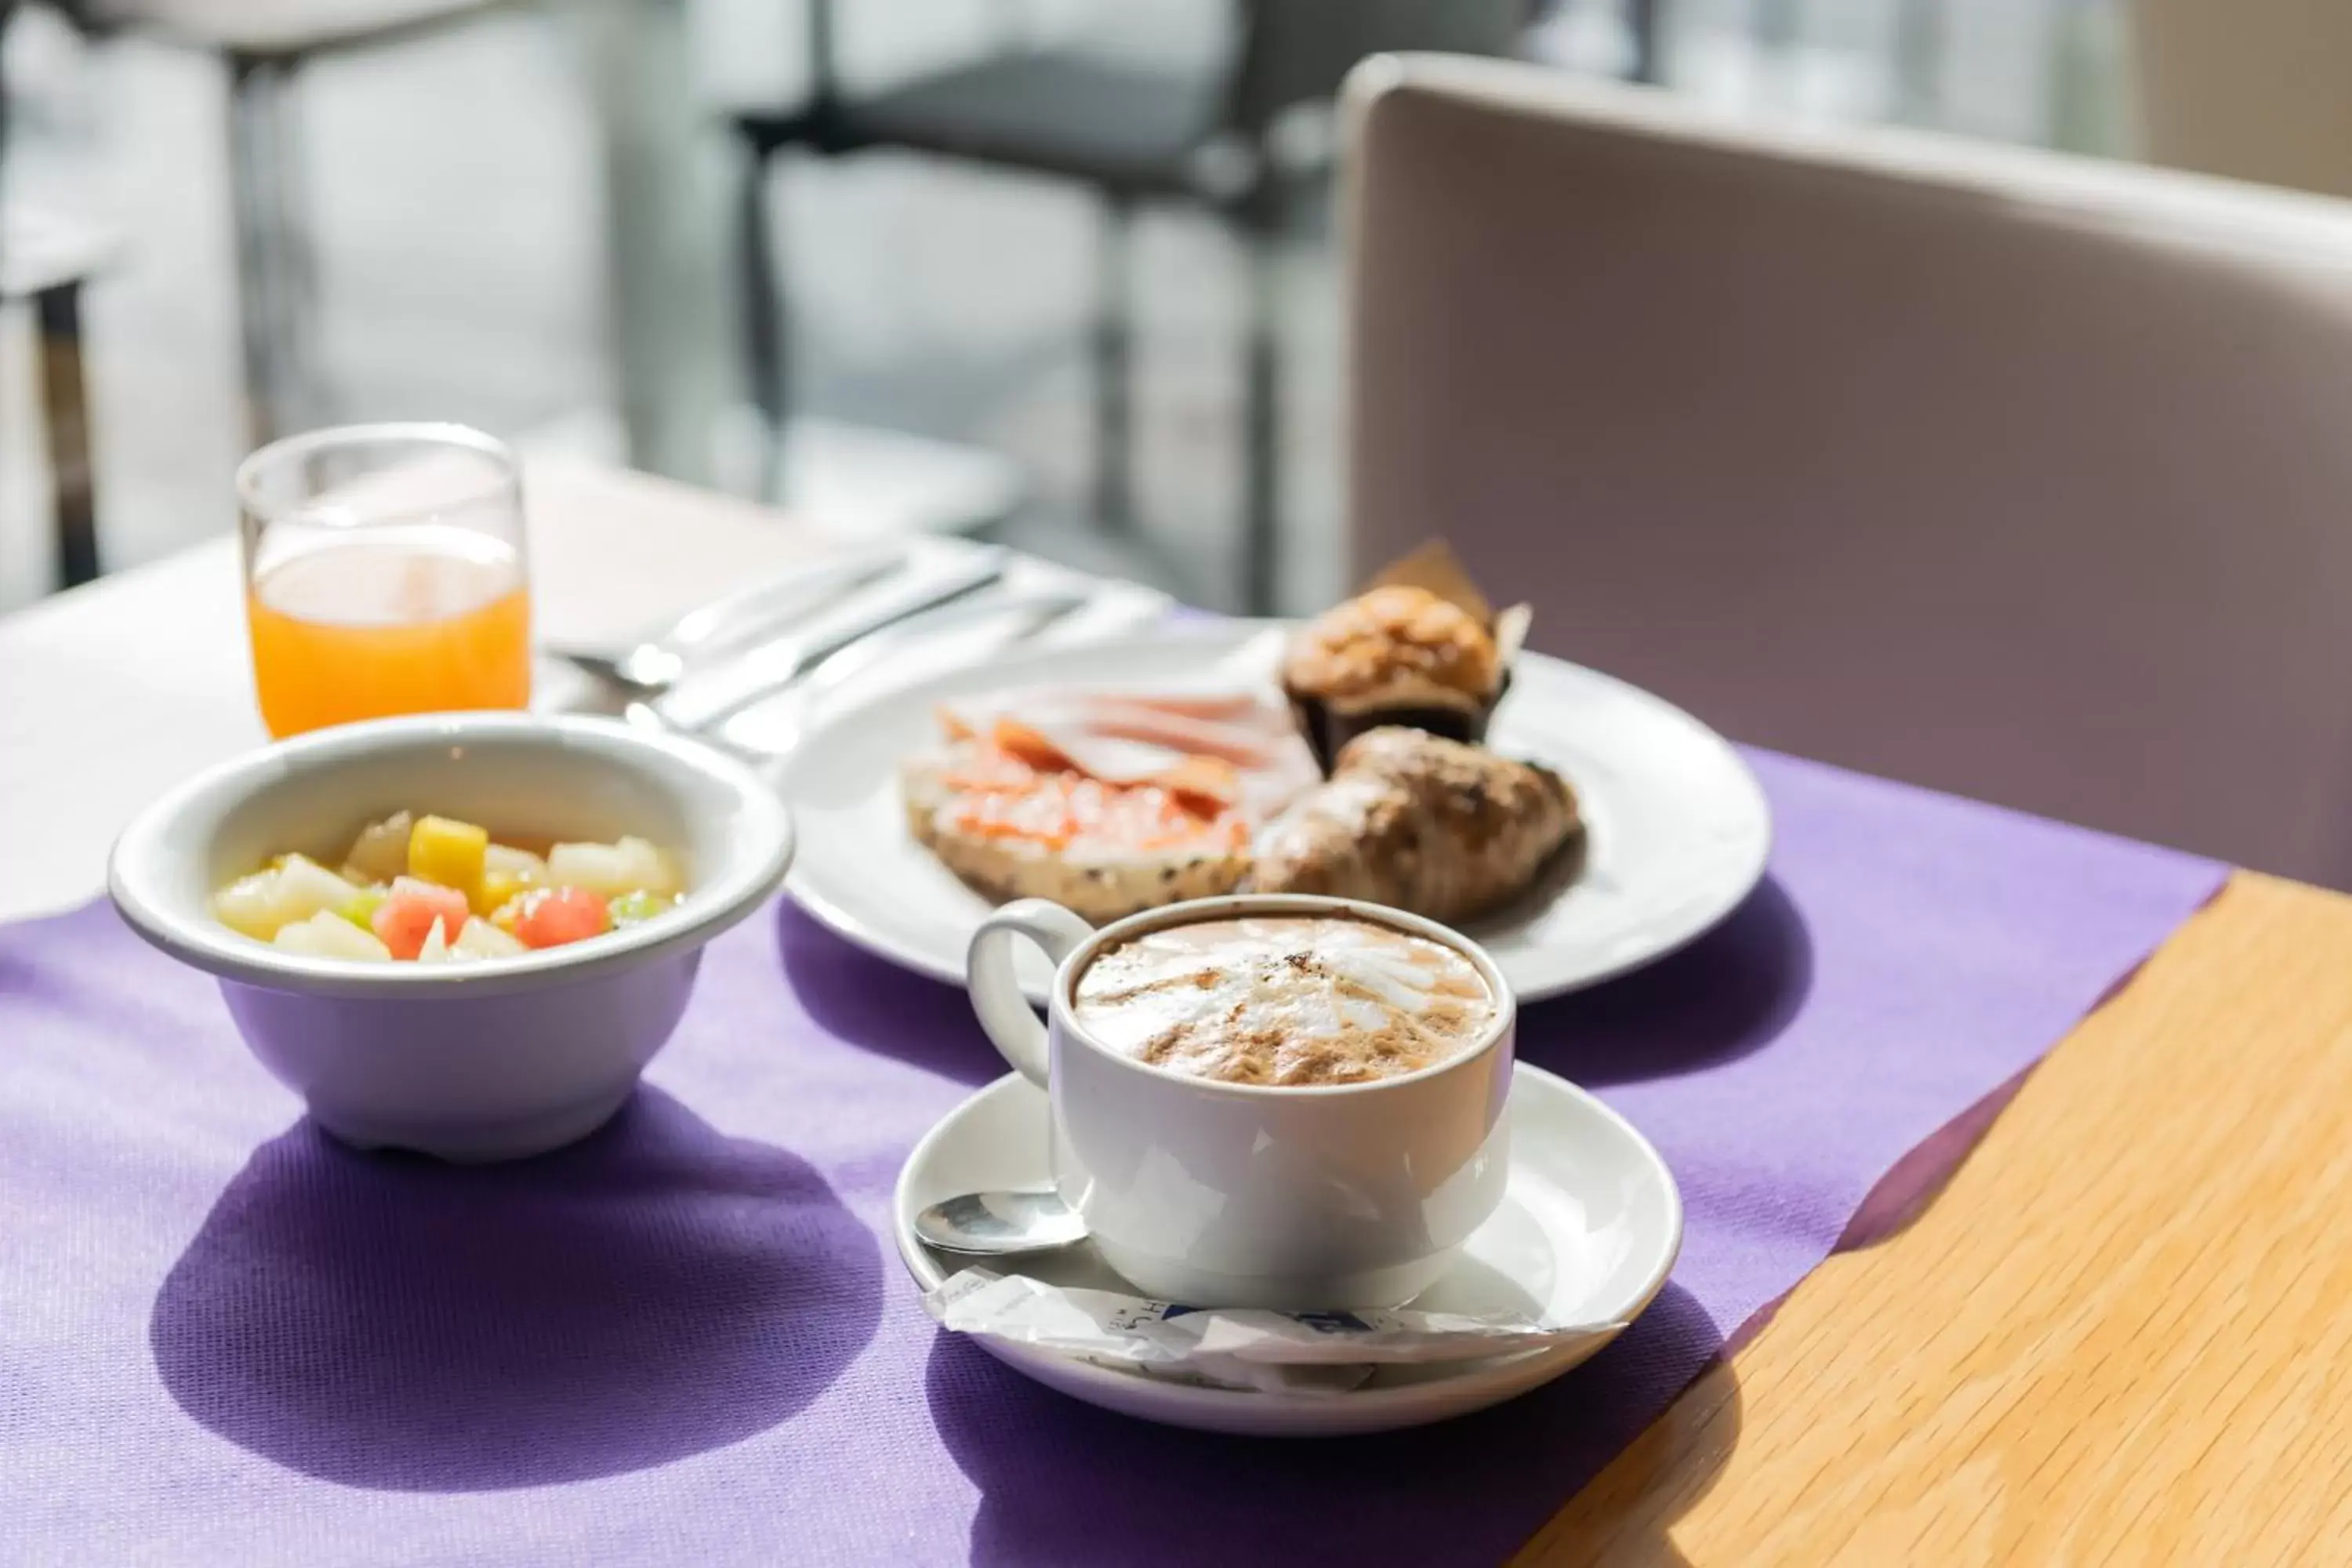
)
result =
(1215, 1193)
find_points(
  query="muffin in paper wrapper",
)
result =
(1470, 630)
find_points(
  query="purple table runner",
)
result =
(224, 1339)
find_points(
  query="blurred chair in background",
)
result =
(666, 324)
(2000, 471)
(263, 48)
(46, 258)
(1134, 135)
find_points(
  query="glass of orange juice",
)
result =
(385, 574)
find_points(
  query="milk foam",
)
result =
(1290, 999)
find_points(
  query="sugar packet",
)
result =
(1304, 1353)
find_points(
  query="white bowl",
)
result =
(490, 1060)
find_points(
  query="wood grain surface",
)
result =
(2123, 1333)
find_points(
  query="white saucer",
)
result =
(1587, 1232)
(1676, 828)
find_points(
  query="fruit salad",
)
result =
(432, 889)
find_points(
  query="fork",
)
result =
(771, 726)
(653, 665)
(1009, 615)
(706, 699)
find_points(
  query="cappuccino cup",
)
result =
(1264, 1099)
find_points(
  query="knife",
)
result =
(658, 662)
(702, 699)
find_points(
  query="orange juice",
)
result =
(438, 618)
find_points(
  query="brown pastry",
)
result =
(1397, 655)
(1419, 823)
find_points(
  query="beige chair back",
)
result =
(2257, 90)
(2011, 474)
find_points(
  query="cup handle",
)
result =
(995, 990)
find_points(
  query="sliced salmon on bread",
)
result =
(1012, 829)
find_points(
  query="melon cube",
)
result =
(381, 851)
(481, 938)
(609, 870)
(264, 903)
(329, 935)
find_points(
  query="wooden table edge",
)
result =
(1944, 1393)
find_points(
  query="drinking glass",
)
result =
(384, 573)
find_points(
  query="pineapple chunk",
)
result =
(609, 870)
(496, 890)
(381, 851)
(450, 853)
(265, 903)
(481, 938)
(506, 871)
(329, 935)
(528, 867)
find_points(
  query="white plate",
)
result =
(1588, 1227)
(1677, 828)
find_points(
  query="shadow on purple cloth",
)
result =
(389, 1321)
(370, 1349)
(1901, 1196)
(877, 1006)
(1063, 1482)
(1729, 992)
(1906, 1191)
